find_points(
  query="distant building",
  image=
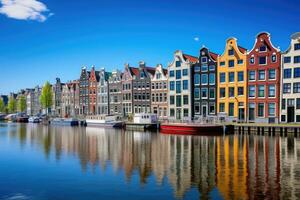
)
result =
(36, 105)
(204, 74)
(70, 99)
(159, 92)
(290, 76)
(179, 86)
(57, 96)
(127, 90)
(115, 93)
(92, 91)
(84, 92)
(103, 103)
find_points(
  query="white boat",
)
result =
(143, 121)
(64, 121)
(112, 121)
(34, 119)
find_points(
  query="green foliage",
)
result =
(46, 96)
(2, 106)
(12, 105)
(22, 104)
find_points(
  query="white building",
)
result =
(179, 83)
(290, 81)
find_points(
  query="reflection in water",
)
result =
(237, 167)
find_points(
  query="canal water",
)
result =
(48, 162)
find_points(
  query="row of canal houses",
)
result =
(257, 85)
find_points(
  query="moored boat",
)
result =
(34, 119)
(143, 121)
(191, 129)
(64, 121)
(110, 121)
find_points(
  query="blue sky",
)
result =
(61, 36)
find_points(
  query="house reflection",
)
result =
(238, 167)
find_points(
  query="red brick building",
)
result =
(263, 67)
(93, 82)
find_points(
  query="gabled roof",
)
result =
(190, 58)
(213, 55)
(165, 71)
(134, 71)
(151, 70)
(242, 49)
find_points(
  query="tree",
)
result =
(2, 106)
(46, 97)
(22, 104)
(12, 105)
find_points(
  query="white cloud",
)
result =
(196, 39)
(25, 10)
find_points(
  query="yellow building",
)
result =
(232, 81)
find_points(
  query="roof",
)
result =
(242, 49)
(134, 71)
(165, 71)
(190, 58)
(213, 55)
(151, 70)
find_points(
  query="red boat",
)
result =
(191, 129)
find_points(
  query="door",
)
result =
(204, 110)
(251, 112)
(241, 114)
(178, 114)
(291, 114)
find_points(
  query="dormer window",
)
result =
(158, 75)
(204, 60)
(297, 46)
(252, 60)
(263, 48)
(178, 63)
(274, 58)
(142, 74)
(263, 60)
(230, 52)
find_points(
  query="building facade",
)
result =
(232, 82)
(30, 102)
(179, 83)
(70, 99)
(159, 92)
(57, 97)
(103, 93)
(204, 85)
(37, 108)
(141, 88)
(263, 69)
(290, 85)
(127, 90)
(84, 92)
(115, 93)
(93, 91)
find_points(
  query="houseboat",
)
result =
(64, 121)
(143, 121)
(34, 119)
(110, 121)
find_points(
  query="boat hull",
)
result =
(106, 124)
(65, 122)
(187, 129)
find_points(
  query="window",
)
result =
(272, 74)
(178, 101)
(283, 118)
(251, 91)
(283, 104)
(185, 112)
(222, 77)
(286, 88)
(222, 63)
(185, 84)
(211, 93)
(296, 87)
(297, 72)
(231, 76)
(230, 52)
(204, 93)
(178, 74)
(178, 63)
(290, 102)
(222, 92)
(172, 73)
(204, 79)
(274, 58)
(197, 79)
(240, 62)
(231, 63)
(212, 68)
(271, 91)
(262, 60)
(261, 75)
(204, 68)
(185, 99)
(172, 100)
(263, 48)
(252, 76)
(240, 91)
(287, 59)
(297, 46)
(261, 91)
(172, 112)
(178, 86)
(204, 60)
(197, 108)
(231, 91)
(158, 75)
(197, 93)
(271, 109)
(297, 59)
(298, 103)
(197, 68)
(172, 85)
(260, 109)
(231, 109)
(184, 72)
(297, 118)
(252, 60)
(222, 107)
(287, 73)
(240, 76)
(212, 79)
